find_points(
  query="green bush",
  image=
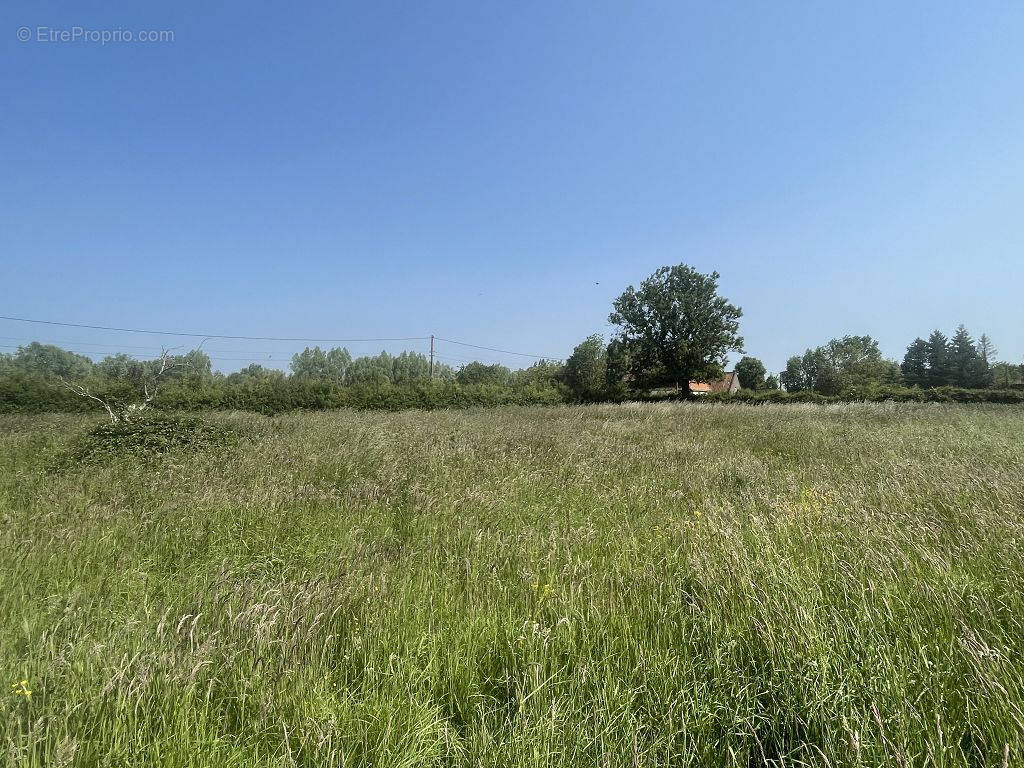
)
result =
(22, 392)
(149, 436)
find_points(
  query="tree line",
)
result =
(854, 365)
(676, 328)
(672, 329)
(44, 377)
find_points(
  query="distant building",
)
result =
(728, 383)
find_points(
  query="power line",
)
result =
(254, 358)
(270, 338)
(119, 347)
(494, 349)
(207, 335)
(80, 343)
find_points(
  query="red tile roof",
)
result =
(723, 384)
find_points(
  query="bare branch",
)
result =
(81, 391)
(150, 387)
(167, 364)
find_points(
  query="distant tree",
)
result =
(676, 327)
(410, 367)
(812, 371)
(938, 359)
(48, 360)
(310, 364)
(859, 364)
(117, 367)
(1007, 375)
(194, 367)
(544, 374)
(751, 372)
(966, 368)
(139, 381)
(318, 364)
(257, 372)
(794, 379)
(772, 382)
(443, 371)
(820, 372)
(987, 350)
(338, 361)
(372, 370)
(915, 364)
(850, 365)
(586, 368)
(616, 370)
(478, 373)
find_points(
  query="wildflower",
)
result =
(21, 689)
(542, 591)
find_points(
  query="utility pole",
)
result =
(431, 357)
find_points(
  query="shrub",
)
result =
(149, 437)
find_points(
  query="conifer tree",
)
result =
(915, 364)
(938, 359)
(964, 362)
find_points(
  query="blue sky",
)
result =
(498, 173)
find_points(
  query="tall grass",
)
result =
(612, 585)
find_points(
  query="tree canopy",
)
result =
(848, 365)
(585, 369)
(751, 372)
(676, 327)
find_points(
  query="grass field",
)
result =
(594, 586)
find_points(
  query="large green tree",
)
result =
(751, 372)
(676, 327)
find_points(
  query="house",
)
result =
(728, 384)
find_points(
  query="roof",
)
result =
(724, 384)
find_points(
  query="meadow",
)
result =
(613, 585)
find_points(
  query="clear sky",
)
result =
(499, 172)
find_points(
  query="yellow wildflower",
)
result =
(542, 591)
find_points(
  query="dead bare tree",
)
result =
(150, 387)
(83, 391)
